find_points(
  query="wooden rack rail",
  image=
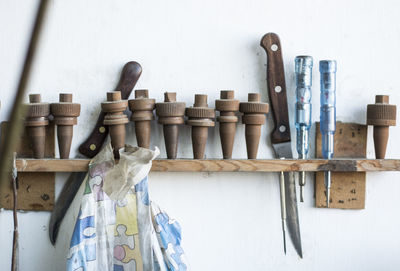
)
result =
(219, 165)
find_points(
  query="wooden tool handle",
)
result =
(276, 88)
(129, 76)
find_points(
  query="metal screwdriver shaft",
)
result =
(303, 68)
(327, 68)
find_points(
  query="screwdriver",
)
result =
(303, 69)
(327, 69)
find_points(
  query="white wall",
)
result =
(231, 221)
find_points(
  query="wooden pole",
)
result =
(18, 111)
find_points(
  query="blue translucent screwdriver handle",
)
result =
(327, 69)
(303, 69)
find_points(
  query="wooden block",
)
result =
(36, 189)
(35, 192)
(347, 188)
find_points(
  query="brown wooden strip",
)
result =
(190, 165)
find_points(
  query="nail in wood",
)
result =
(35, 122)
(115, 119)
(254, 116)
(65, 117)
(228, 107)
(170, 114)
(142, 114)
(200, 118)
(381, 115)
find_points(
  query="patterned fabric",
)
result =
(128, 233)
(169, 237)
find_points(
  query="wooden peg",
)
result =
(35, 123)
(170, 114)
(200, 118)
(65, 117)
(254, 116)
(142, 114)
(381, 115)
(115, 119)
(228, 107)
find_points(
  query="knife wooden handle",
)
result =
(129, 76)
(276, 87)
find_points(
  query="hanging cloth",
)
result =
(118, 227)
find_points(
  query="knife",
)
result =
(89, 148)
(280, 136)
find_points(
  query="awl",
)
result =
(327, 68)
(280, 136)
(303, 70)
(129, 76)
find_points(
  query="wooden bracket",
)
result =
(36, 189)
(347, 188)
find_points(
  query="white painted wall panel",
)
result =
(230, 221)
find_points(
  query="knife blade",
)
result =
(89, 148)
(280, 136)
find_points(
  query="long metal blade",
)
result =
(292, 216)
(284, 150)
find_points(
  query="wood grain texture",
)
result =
(36, 190)
(276, 87)
(223, 165)
(347, 188)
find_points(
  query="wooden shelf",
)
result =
(219, 165)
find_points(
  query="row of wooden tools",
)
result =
(170, 114)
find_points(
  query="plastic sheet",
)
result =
(118, 227)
